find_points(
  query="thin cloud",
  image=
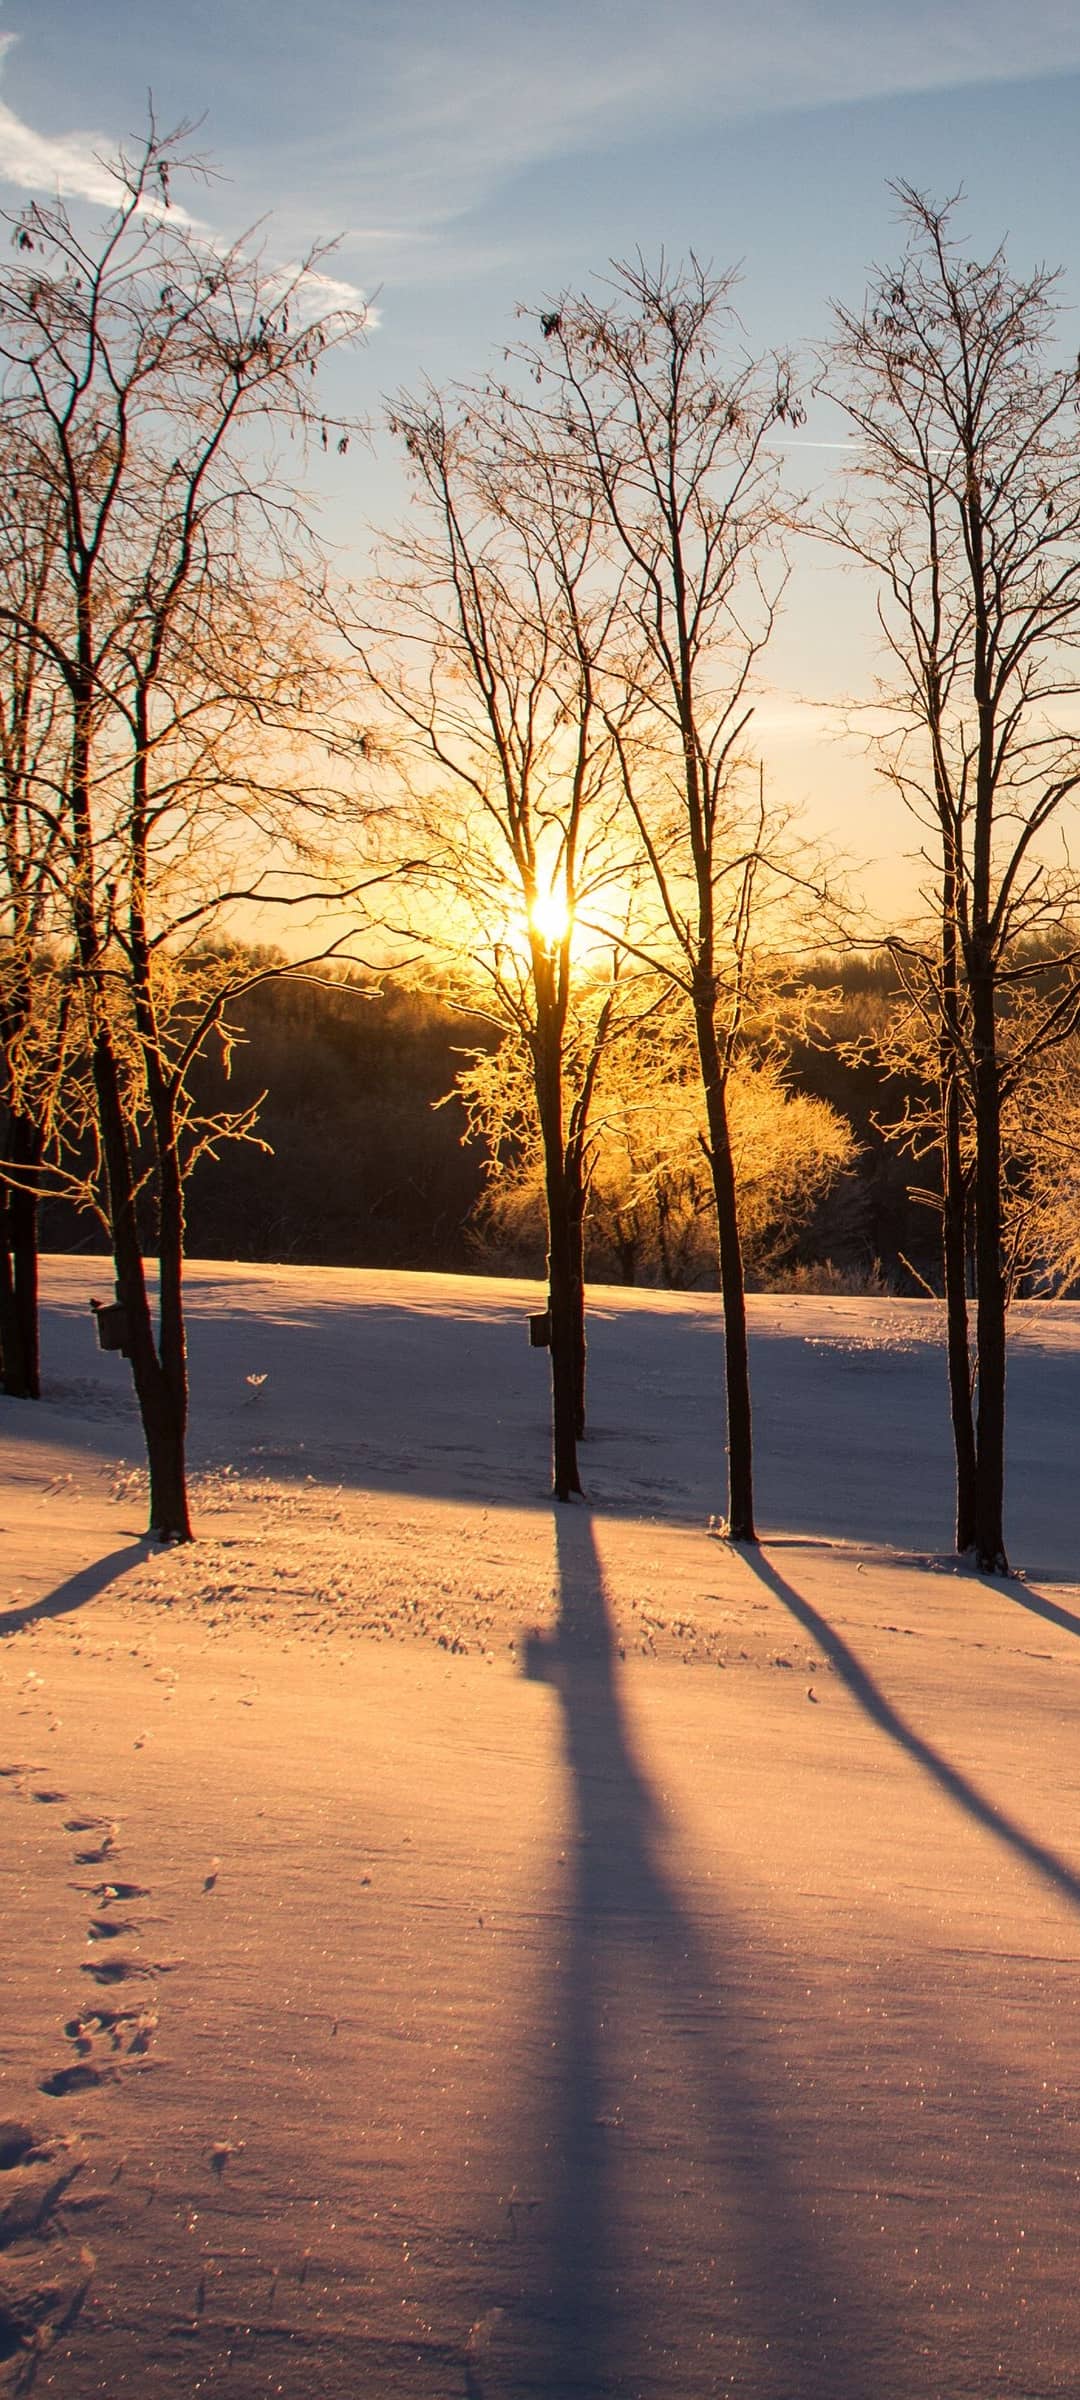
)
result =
(426, 113)
(441, 106)
(332, 291)
(66, 163)
(77, 167)
(315, 294)
(70, 166)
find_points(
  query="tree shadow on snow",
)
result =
(958, 1787)
(76, 1589)
(668, 2263)
(1022, 1596)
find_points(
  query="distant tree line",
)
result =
(350, 1073)
(369, 1072)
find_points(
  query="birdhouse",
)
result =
(540, 1330)
(110, 1317)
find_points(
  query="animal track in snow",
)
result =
(106, 1893)
(96, 1855)
(83, 2076)
(109, 2043)
(124, 1966)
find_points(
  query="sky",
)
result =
(470, 157)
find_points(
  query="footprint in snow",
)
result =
(43, 2282)
(98, 1852)
(122, 1967)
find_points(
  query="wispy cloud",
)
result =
(437, 104)
(77, 166)
(419, 115)
(318, 294)
(71, 166)
(330, 291)
(67, 163)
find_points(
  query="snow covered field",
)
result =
(459, 1947)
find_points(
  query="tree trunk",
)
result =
(954, 1224)
(740, 1517)
(172, 1345)
(576, 1215)
(625, 1240)
(954, 1257)
(990, 1300)
(19, 1340)
(12, 1379)
(563, 1295)
(663, 1212)
(163, 1421)
(564, 1266)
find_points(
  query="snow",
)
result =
(481, 1948)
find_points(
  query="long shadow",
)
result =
(857, 1679)
(1039, 1606)
(737, 2272)
(76, 1589)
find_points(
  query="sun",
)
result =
(550, 917)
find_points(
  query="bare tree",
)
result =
(667, 428)
(30, 1036)
(147, 381)
(969, 516)
(484, 641)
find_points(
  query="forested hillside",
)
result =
(353, 1163)
(365, 1161)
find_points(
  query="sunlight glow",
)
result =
(550, 918)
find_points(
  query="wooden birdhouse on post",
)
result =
(110, 1317)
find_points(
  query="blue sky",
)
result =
(473, 155)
